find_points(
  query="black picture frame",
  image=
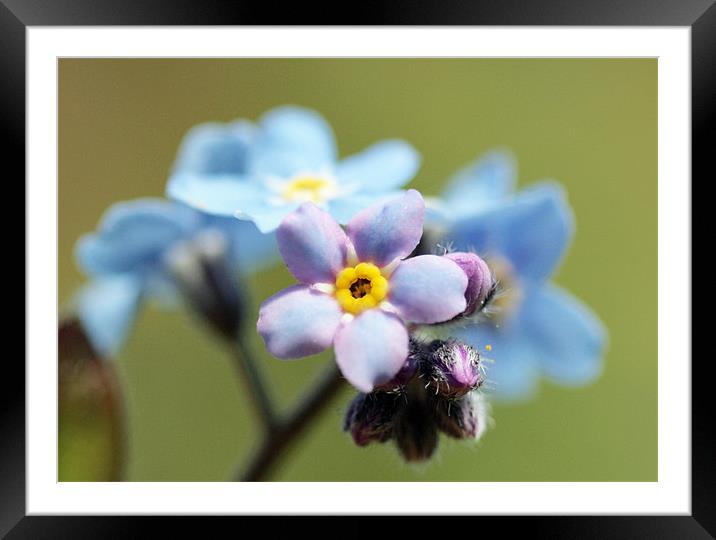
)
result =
(700, 15)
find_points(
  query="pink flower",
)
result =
(357, 291)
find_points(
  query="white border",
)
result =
(671, 494)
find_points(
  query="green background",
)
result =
(589, 123)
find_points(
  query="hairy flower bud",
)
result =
(480, 281)
(414, 431)
(370, 417)
(464, 418)
(451, 368)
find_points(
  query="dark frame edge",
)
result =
(12, 414)
(702, 522)
(703, 120)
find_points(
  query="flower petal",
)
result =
(298, 322)
(371, 349)
(133, 236)
(345, 207)
(531, 230)
(568, 339)
(383, 232)
(107, 308)
(215, 149)
(428, 289)
(383, 166)
(221, 195)
(513, 372)
(312, 244)
(481, 184)
(265, 215)
(291, 140)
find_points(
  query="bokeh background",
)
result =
(589, 123)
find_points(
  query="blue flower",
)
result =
(127, 259)
(536, 328)
(264, 172)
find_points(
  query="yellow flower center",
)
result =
(307, 188)
(361, 287)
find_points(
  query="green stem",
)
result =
(287, 430)
(257, 391)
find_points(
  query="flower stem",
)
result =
(258, 394)
(287, 430)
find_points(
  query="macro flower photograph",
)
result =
(357, 270)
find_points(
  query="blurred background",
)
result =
(589, 123)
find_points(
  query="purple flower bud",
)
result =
(464, 418)
(451, 368)
(480, 281)
(370, 417)
(414, 431)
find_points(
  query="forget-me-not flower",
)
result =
(357, 290)
(537, 328)
(127, 260)
(288, 158)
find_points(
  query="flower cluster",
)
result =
(437, 390)
(411, 295)
(363, 293)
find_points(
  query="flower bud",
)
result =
(370, 417)
(451, 368)
(464, 418)
(91, 410)
(414, 431)
(480, 281)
